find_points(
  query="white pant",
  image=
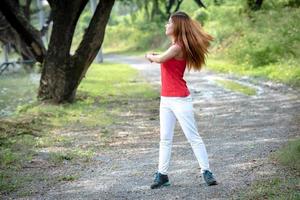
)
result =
(182, 109)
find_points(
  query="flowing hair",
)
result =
(190, 35)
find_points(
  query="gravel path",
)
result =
(239, 131)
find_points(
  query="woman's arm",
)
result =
(173, 51)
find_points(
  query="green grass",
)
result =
(127, 52)
(37, 128)
(105, 87)
(16, 89)
(237, 87)
(274, 188)
(73, 154)
(289, 155)
(68, 178)
(282, 187)
(288, 73)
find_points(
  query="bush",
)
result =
(268, 41)
(201, 15)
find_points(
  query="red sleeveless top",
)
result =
(172, 82)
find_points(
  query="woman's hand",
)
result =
(149, 56)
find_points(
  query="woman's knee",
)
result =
(165, 142)
(195, 141)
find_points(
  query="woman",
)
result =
(189, 48)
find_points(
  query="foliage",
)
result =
(265, 42)
(201, 15)
(133, 32)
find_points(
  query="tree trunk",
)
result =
(62, 72)
(147, 15)
(155, 9)
(200, 3)
(254, 4)
(169, 5)
(178, 5)
(218, 2)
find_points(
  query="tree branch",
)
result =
(27, 32)
(200, 3)
(93, 37)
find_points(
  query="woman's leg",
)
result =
(183, 110)
(167, 124)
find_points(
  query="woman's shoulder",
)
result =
(177, 46)
(179, 51)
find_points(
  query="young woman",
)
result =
(189, 48)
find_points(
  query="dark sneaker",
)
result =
(160, 180)
(209, 178)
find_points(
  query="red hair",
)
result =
(190, 35)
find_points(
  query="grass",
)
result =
(68, 178)
(127, 52)
(288, 73)
(289, 155)
(75, 154)
(282, 187)
(16, 89)
(274, 188)
(237, 87)
(70, 133)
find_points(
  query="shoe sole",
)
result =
(163, 185)
(166, 184)
(211, 184)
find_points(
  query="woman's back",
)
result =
(173, 84)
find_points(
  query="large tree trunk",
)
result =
(62, 72)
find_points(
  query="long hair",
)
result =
(192, 38)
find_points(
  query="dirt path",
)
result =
(239, 131)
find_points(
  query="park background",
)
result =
(262, 42)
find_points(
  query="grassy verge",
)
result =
(234, 86)
(127, 52)
(287, 73)
(286, 186)
(289, 155)
(133, 52)
(40, 135)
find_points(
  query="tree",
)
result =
(254, 4)
(61, 72)
(200, 3)
(169, 4)
(218, 2)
